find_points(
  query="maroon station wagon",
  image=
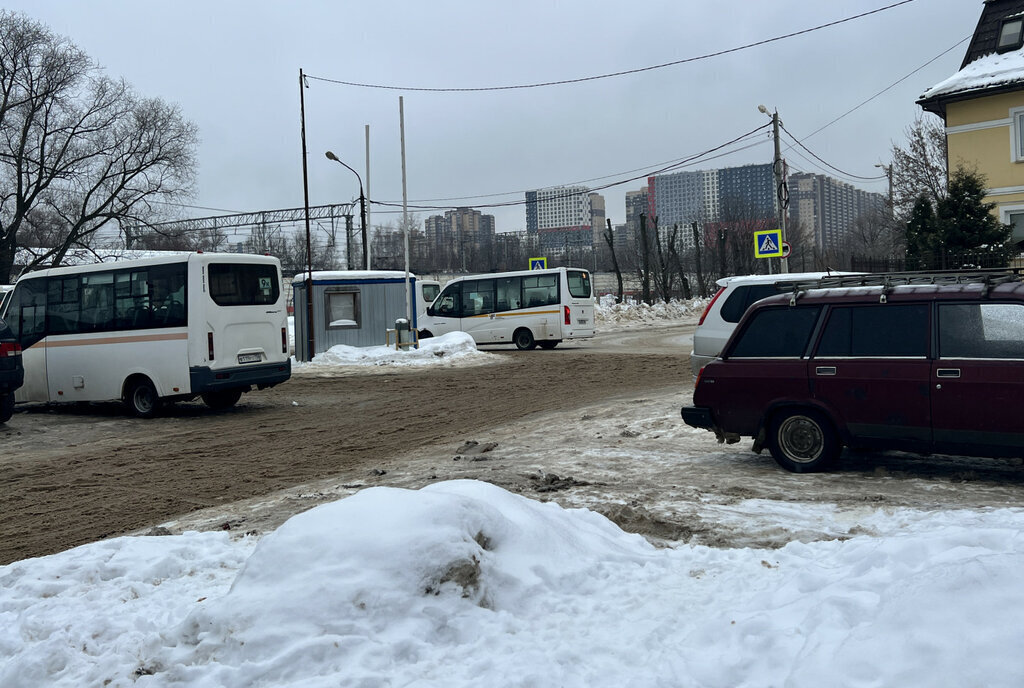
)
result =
(926, 368)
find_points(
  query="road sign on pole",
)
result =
(787, 249)
(768, 243)
(538, 263)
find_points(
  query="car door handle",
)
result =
(825, 370)
(947, 372)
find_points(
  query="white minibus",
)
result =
(152, 331)
(527, 308)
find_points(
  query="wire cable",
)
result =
(626, 72)
(890, 86)
(675, 165)
(832, 167)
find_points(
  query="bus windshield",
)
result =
(241, 284)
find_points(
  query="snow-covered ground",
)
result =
(462, 583)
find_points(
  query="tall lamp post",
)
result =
(362, 205)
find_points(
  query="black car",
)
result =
(12, 373)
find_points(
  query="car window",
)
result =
(877, 330)
(741, 298)
(981, 330)
(776, 333)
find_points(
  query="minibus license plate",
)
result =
(249, 358)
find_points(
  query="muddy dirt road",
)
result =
(592, 425)
(70, 476)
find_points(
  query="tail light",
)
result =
(568, 320)
(707, 309)
(209, 342)
(284, 340)
(10, 349)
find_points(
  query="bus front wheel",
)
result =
(222, 398)
(523, 339)
(141, 398)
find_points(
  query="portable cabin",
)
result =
(353, 307)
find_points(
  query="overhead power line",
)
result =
(673, 166)
(828, 165)
(626, 72)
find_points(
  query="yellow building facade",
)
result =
(982, 106)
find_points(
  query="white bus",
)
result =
(152, 331)
(527, 308)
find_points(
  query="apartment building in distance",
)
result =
(744, 192)
(564, 217)
(828, 207)
(460, 234)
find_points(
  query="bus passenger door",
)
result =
(478, 312)
(26, 316)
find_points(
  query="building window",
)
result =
(1010, 34)
(342, 307)
(1017, 131)
(1014, 215)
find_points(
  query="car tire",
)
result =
(548, 344)
(141, 398)
(6, 406)
(523, 339)
(425, 334)
(803, 441)
(222, 398)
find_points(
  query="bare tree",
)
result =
(79, 144)
(921, 167)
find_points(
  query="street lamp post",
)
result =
(362, 204)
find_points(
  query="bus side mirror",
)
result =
(430, 310)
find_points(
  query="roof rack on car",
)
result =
(888, 280)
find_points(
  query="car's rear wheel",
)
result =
(141, 398)
(548, 344)
(523, 339)
(222, 398)
(6, 406)
(803, 441)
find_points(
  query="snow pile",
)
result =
(607, 312)
(446, 349)
(464, 584)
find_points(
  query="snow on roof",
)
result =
(996, 69)
(323, 275)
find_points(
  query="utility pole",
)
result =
(310, 344)
(888, 173)
(364, 211)
(779, 173)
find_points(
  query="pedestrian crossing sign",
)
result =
(768, 243)
(538, 263)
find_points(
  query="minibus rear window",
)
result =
(579, 284)
(244, 284)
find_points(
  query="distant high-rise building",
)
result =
(461, 232)
(747, 192)
(828, 207)
(563, 216)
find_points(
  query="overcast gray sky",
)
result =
(233, 68)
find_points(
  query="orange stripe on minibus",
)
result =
(128, 339)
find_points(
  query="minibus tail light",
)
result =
(568, 320)
(10, 349)
(284, 340)
(707, 309)
(209, 342)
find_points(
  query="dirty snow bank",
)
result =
(464, 584)
(610, 315)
